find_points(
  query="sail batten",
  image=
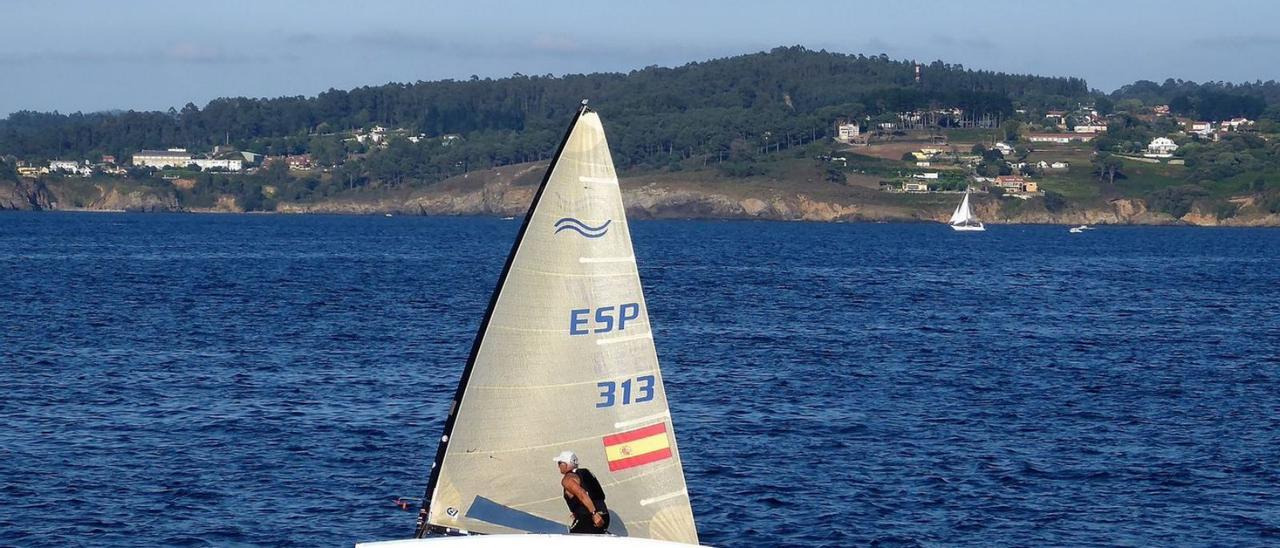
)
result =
(564, 360)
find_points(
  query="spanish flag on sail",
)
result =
(636, 447)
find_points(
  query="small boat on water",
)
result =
(1080, 229)
(963, 220)
(564, 361)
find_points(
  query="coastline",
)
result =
(506, 192)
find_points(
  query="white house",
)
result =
(160, 159)
(1059, 165)
(1061, 138)
(847, 132)
(1090, 128)
(1203, 129)
(915, 187)
(70, 166)
(926, 175)
(180, 157)
(1004, 148)
(1161, 147)
(206, 164)
(1235, 124)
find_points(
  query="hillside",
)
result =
(712, 138)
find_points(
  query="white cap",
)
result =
(568, 457)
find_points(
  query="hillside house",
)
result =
(1060, 138)
(160, 159)
(1015, 183)
(206, 164)
(32, 172)
(298, 161)
(1235, 124)
(1161, 147)
(1202, 129)
(846, 133)
(71, 167)
(911, 186)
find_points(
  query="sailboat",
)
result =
(963, 220)
(564, 361)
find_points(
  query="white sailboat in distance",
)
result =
(963, 220)
(564, 361)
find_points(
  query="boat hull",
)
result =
(524, 541)
(969, 228)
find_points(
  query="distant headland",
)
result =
(789, 134)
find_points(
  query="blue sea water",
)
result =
(278, 380)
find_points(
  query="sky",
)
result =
(67, 56)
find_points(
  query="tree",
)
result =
(1107, 167)
(1011, 129)
(1104, 105)
(834, 175)
(1054, 202)
(327, 151)
(8, 172)
(1021, 152)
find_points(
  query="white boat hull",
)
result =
(969, 228)
(524, 541)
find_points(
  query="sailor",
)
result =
(584, 496)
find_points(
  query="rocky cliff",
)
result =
(507, 191)
(26, 195)
(143, 199)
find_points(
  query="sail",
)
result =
(564, 360)
(962, 213)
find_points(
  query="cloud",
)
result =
(179, 53)
(969, 42)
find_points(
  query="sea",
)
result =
(244, 380)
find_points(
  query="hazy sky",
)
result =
(95, 55)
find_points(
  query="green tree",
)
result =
(8, 171)
(1054, 202)
(1107, 167)
(327, 151)
(1011, 130)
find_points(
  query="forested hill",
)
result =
(656, 115)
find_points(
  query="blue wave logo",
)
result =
(569, 223)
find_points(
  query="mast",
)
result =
(422, 526)
(564, 360)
